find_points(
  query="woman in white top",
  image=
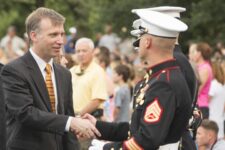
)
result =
(217, 97)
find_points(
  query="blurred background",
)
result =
(108, 23)
(205, 18)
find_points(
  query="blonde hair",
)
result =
(33, 20)
(217, 71)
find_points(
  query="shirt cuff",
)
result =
(67, 129)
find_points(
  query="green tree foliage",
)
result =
(14, 12)
(205, 18)
(207, 21)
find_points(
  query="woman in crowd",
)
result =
(200, 54)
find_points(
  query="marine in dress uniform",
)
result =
(185, 66)
(182, 60)
(163, 100)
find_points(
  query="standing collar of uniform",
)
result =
(41, 63)
(170, 63)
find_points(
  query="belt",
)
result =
(171, 146)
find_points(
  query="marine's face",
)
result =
(143, 46)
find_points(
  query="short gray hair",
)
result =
(87, 41)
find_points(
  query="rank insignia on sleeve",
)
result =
(153, 112)
(131, 144)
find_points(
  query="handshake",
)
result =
(84, 127)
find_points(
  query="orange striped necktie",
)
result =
(49, 85)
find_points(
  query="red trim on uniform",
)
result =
(167, 75)
(157, 74)
(173, 59)
(157, 77)
(125, 146)
(131, 144)
(174, 67)
(168, 71)
(137, 144)
(160, 115)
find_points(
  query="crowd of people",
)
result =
(114, 83)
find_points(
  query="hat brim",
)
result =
(136, 43)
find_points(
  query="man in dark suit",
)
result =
(2, 116)
(38, 92)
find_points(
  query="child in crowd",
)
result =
(122, 95)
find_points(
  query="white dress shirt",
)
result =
(42, 64)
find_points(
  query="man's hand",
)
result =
(197, 113)
(91, 118)
(83, 128)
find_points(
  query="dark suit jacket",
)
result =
(2, 116)
(188, 72)
(30, 123)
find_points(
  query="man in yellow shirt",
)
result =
(88, 79)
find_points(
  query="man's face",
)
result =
(116, 77)
(84, 53)
(202, 137)
(48, 40)
(142, 52)
(62, 59)
(12, 33)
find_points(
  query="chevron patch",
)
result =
(153, 112)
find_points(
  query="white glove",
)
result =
(96, 145)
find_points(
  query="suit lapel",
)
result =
(38, 79)
(59, 87)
